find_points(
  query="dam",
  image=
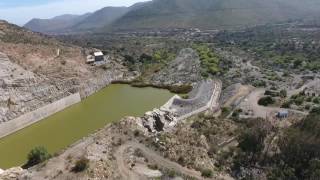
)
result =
(66, 127)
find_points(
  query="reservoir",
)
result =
(70, 125)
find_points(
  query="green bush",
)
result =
(81, 165)
(36, 156)
(259, 83)
(153, 166)
(225, 111)
(206, 173)
(171, 173)
(286, 104)
(316, 100)
(183, 89)
(299, 100)
(283, 93)
(265, 101)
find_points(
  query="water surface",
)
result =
(68, 126)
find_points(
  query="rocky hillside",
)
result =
(36, 70)
(204, 14)
(207, 14)
(77, 23)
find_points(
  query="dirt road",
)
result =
(151, 155)
(262, 111)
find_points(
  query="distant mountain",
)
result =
(207, 14)
(204, 14)
(56, 24)
(77, 23)
(100, 18)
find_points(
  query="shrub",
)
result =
(265, 101)
(225, 111)
(307, 107)
(36, 156)
(316, 100)
(283, 93)
(172, 173)
(153, 166)
(309, 99)
(286, 104)
(136, 133)
(271, 93)
(299, 100)
(206, 173)
(81, 165)
(259, 83)
(183, 89)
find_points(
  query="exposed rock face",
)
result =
(157, 120)
(11, 174)
(185, 69)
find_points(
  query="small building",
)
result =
(283, 114)
(98, 56)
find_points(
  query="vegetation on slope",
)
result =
(297, 155)
(37, 156)
(209, 60)
(278, 46)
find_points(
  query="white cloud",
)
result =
(20, 15)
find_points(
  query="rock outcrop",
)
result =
(157, 120)
(11, 174)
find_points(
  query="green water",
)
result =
(66, 127)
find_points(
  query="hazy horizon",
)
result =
(20, 12)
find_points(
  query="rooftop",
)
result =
(98, 54)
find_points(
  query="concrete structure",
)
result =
(203, 97)
(30, 118)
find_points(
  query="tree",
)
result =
(37, 155)
(251, 141)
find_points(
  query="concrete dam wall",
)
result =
(28, 119)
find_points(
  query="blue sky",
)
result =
(15, 3)
(21, 11)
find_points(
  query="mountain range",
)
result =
(203, 14)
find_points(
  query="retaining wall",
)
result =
(30, 118)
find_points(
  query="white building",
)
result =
(98, 56)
